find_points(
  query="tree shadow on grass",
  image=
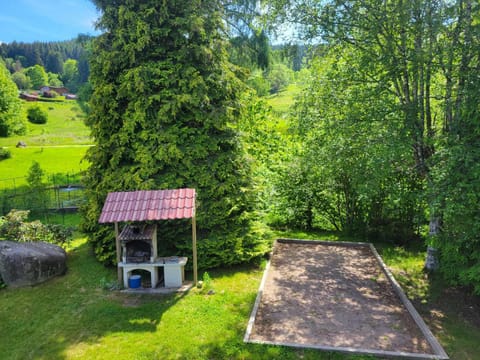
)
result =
(44, 321)
(235, 348)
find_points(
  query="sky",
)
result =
(46, 20)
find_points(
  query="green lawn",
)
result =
(284, 99)
(65, 126)
(58, 146)
(52, 160)
(281, 104)
(77, 317)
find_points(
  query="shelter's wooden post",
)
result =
(155, 244)
(194, 248)
(119, 254)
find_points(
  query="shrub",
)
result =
(279, 77)
(37, 197)
(36, 115)
(259, 83)
(50, 94)
(10, 224)
(207, 287)
(14, 227)
(5, 154)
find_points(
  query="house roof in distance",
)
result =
(148, 205)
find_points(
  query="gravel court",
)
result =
(335, 296)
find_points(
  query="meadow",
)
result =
(82, 315)
(282, 101)
(58, 146)
(65, 126)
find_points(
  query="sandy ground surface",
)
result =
(337, 296)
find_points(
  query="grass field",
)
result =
(74, 317)
(65, 126)
(283, 100)
(52, 160)
(58, 146)
(281, 104)
(77, 317)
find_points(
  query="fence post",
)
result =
(20, 198)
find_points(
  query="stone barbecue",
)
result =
(137, 243)
(139, 252)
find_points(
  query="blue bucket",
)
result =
(134, 281)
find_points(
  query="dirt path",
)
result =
(334, 296)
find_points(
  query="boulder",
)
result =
(21, 144)
(30, 263)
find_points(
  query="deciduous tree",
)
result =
(70, 75)
(350, 169)
(37, 75)
(21, 80)
(11, 117)
(425, 53)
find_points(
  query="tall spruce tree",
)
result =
(163, 114)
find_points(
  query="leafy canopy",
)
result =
(11, 117)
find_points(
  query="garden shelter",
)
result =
(151, 206)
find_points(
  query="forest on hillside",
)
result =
(382, 141)
(60, 63)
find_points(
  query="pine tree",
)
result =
(163, 111)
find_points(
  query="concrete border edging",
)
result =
(432, 340)
(253, 314)
(439, 352)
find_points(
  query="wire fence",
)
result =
(60, 194)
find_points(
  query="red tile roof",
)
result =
(148, 205)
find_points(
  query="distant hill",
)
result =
(45, 53)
